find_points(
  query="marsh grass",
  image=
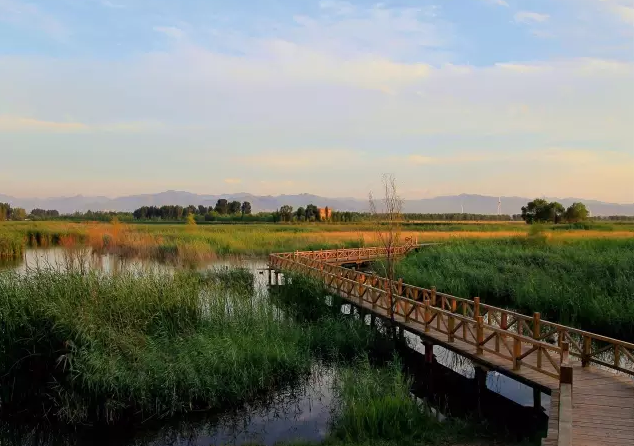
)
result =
(588, 283)
(93, 347)
(374, 404)
(174, 242)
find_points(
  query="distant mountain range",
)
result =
(476, 204)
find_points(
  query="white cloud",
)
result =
(530, 17)
(109, 4)
(18, 124)
(625, 13)
(303, 158)
(12, 123)
(170, 31)
(497, 2)
(337, 7)
(623, 10)
(29, 16)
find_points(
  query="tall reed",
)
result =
(586, 283)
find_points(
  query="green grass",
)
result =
(586, 283)
(196, 243)
(91, 347)
(376, 404)
(85, 347)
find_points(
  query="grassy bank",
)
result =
(197, 243)
(587, 283)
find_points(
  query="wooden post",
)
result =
(427, 315)
(429, 352)
(565, 369)
(452, 321)
(480, 336)
(537, 399)
(587, 348)
(433, 296)
(504, 325)
(464, 323)
(517, 352)
(480, 377)
(536, 331)
(400, 286)
(476, 308)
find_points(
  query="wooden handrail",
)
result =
(496, 320)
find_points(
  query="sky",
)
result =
(496, 97)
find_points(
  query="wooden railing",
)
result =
(520, 339)
(353, 254)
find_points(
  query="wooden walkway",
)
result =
(590, 377)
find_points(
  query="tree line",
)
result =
(536, 211)
(543, 211)
(175, 212)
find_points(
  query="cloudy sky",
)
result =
(499, 97)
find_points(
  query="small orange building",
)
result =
(325, 213)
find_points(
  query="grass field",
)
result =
(580, 281)
(173, 241)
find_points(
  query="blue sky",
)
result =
(500, 97)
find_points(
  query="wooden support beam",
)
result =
(537, 399)
(429, 352)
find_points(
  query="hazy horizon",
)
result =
(255, 194)
(490, 97)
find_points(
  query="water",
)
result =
(300, 411)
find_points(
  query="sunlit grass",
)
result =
(204, 242)
(586, 282)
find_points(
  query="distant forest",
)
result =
(235, 212)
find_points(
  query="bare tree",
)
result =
(387, 221)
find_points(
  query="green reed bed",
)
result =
(588, 283)
(375, 404)
(11, 246)
(83, 346)
(92, 347)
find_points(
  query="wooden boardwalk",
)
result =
(590, 377)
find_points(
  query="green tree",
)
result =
(246, 208)
(234, 207)
(18, 214)
(312, 213)
(301, 213)
(555, 212)
(222, 206)
(190, 219)
(576, 212)
(536, 211)
(5, 210)
(286, 213)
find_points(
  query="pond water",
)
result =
(300, 411)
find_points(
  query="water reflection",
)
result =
(300, 411)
